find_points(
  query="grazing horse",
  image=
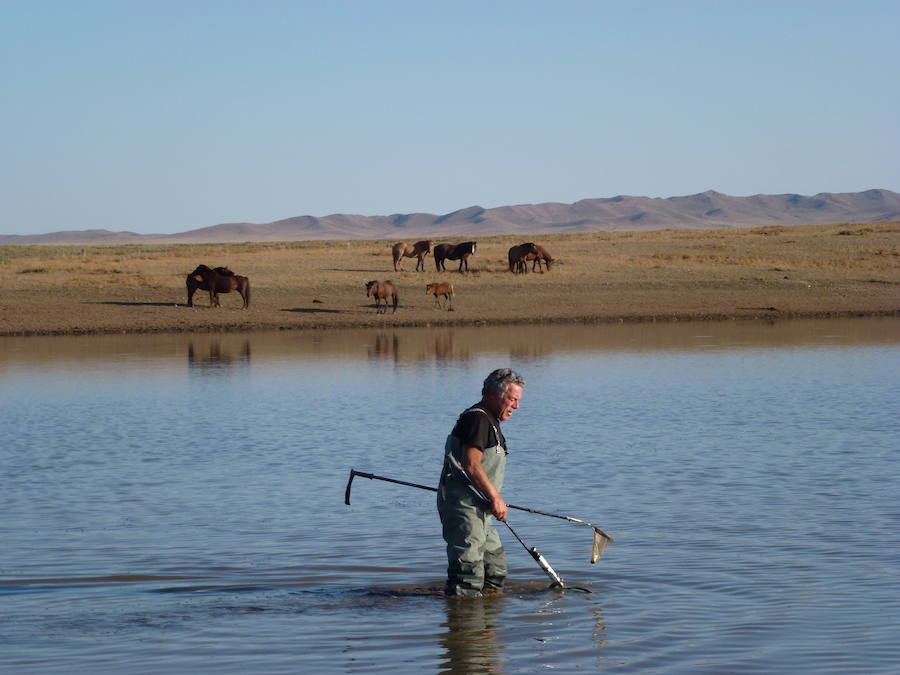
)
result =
(542, 255)
(443, 289)
(218, 280)
(403, 249)
(519, 254)
(459, 252)
(382, 290)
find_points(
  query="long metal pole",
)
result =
(372, 476)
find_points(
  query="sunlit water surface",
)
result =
(176, 503)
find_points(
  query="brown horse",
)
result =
(542, 255)
(459, 252)
(382, 290)
(403, 249)
(217, 280)
(519, 254)
(443, 289)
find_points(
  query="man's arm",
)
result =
(472, 464)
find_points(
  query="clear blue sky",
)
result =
(164, 116)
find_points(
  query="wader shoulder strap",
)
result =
(497, 434)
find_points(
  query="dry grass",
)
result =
(819, 270)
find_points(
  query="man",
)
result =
(469, 488)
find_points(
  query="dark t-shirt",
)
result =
(476, 429)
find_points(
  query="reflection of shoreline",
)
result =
(471, 640)
(440, 344)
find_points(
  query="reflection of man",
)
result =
(475, 459)
(471, 642)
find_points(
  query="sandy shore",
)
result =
(751, 273)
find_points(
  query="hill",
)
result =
(706, 210)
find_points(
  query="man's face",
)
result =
(504, 405)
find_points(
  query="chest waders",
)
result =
(475, 557)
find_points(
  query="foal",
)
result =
(443, 289)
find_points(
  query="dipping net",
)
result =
(601, 541)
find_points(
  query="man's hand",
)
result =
(498, 508)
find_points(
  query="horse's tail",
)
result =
(396, 299)
(246, 292)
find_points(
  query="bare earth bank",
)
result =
(768, 272)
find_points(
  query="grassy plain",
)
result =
(760, 272)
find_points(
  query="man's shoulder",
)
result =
(480, 412)
(473, 426)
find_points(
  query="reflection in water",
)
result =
(599, 633)
(385, 346)
(400, 345)
(445, 344)
(447, 349)
(470, 641)
(212, 354)
(531, 353)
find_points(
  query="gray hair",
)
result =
(500, 379)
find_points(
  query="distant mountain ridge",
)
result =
(706, 210)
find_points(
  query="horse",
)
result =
(519, 254)
(382, 290)
(459, 252)
(403, 249)
(444, 289)
(217, 280)
(542, 255)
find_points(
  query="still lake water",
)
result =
(175, 503)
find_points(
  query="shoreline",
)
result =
(475, 323)
(756, 274)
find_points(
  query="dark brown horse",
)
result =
(519, 254)
(382, 290)
(543, 255)
(459, 252)
(217, 280)
(443, 289)
(403, 249)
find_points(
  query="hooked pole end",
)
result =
(349, 484)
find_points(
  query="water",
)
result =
(175, 503)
